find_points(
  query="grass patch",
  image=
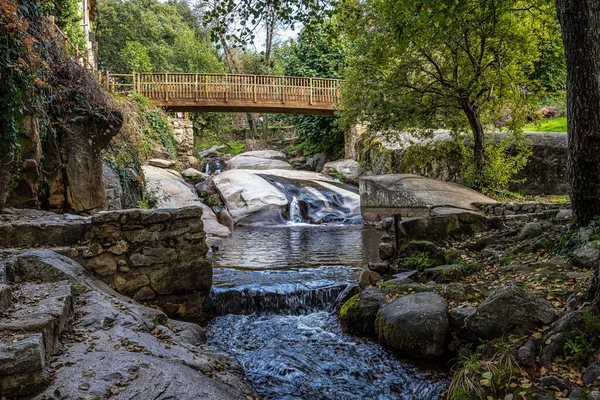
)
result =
(475, 378)
(558, 124)
(419, 260)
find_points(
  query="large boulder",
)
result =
(586, 256)
(259, 160)
(415, 325)
(212, 227)
(435, 156)
(192, 174)
(349, 170)
(265, 197)
(414, 196)
(359, 312)
(509, 310)
(112, 189)
(173, 191)
(249, 198)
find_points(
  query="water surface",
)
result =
(299, 246)
(274, 290)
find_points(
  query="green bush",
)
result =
(503, 160)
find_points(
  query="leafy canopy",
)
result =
(147, 35)
(421, 64)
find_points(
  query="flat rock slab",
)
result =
(252, 162)
(131, 351)
(33, 228)
(414, 196)
(160, 163)
(268, 154)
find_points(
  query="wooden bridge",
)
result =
(230, 93)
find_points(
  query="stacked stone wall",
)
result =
(154, 256)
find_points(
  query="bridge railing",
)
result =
(172, 87)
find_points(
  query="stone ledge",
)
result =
(22, 366)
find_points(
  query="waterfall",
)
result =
(214, 166)
(295, 214)
(291, 299)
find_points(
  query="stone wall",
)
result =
(154, 256)
(522, 208)
(184, 135)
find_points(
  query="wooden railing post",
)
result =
(166, 87)
(254, 82)
(196, 81)
(310, 100)
(206, 85)
(226, 87)
(283, 90)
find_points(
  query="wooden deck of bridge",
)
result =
(231, 93)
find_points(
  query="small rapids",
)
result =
(284, 292)
(309, 357)
(274, 292)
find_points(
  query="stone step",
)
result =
(39, 308)
(5, 298)
(22, 365)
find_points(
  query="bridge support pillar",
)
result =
(351, 135)
(184, 135)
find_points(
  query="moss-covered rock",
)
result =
(415, 325)
(358, 313)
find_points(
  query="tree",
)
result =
(439, 64)
(154, 36)
(580, 22)
(319, 52)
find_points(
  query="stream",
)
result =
(274, 290)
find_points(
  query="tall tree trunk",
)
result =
(580, 22)
(472, 113)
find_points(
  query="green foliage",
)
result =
(135, 56)
(152, 35)
(567, 242)
(152, 196)
(212, 128)
(318, 52)
(238, 22)
(587, 342)
(68, 18)
(418, 260)
(233, 148)
(155, 128)
(503, 160)
(19, 69)
(459, 65)
(558, 124)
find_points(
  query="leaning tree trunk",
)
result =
(472, 113)
(580, 22)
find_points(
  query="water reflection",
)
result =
(299, 246)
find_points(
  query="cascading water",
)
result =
(295, 213)
(318, 202)
(213, 166)
(275, 316)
